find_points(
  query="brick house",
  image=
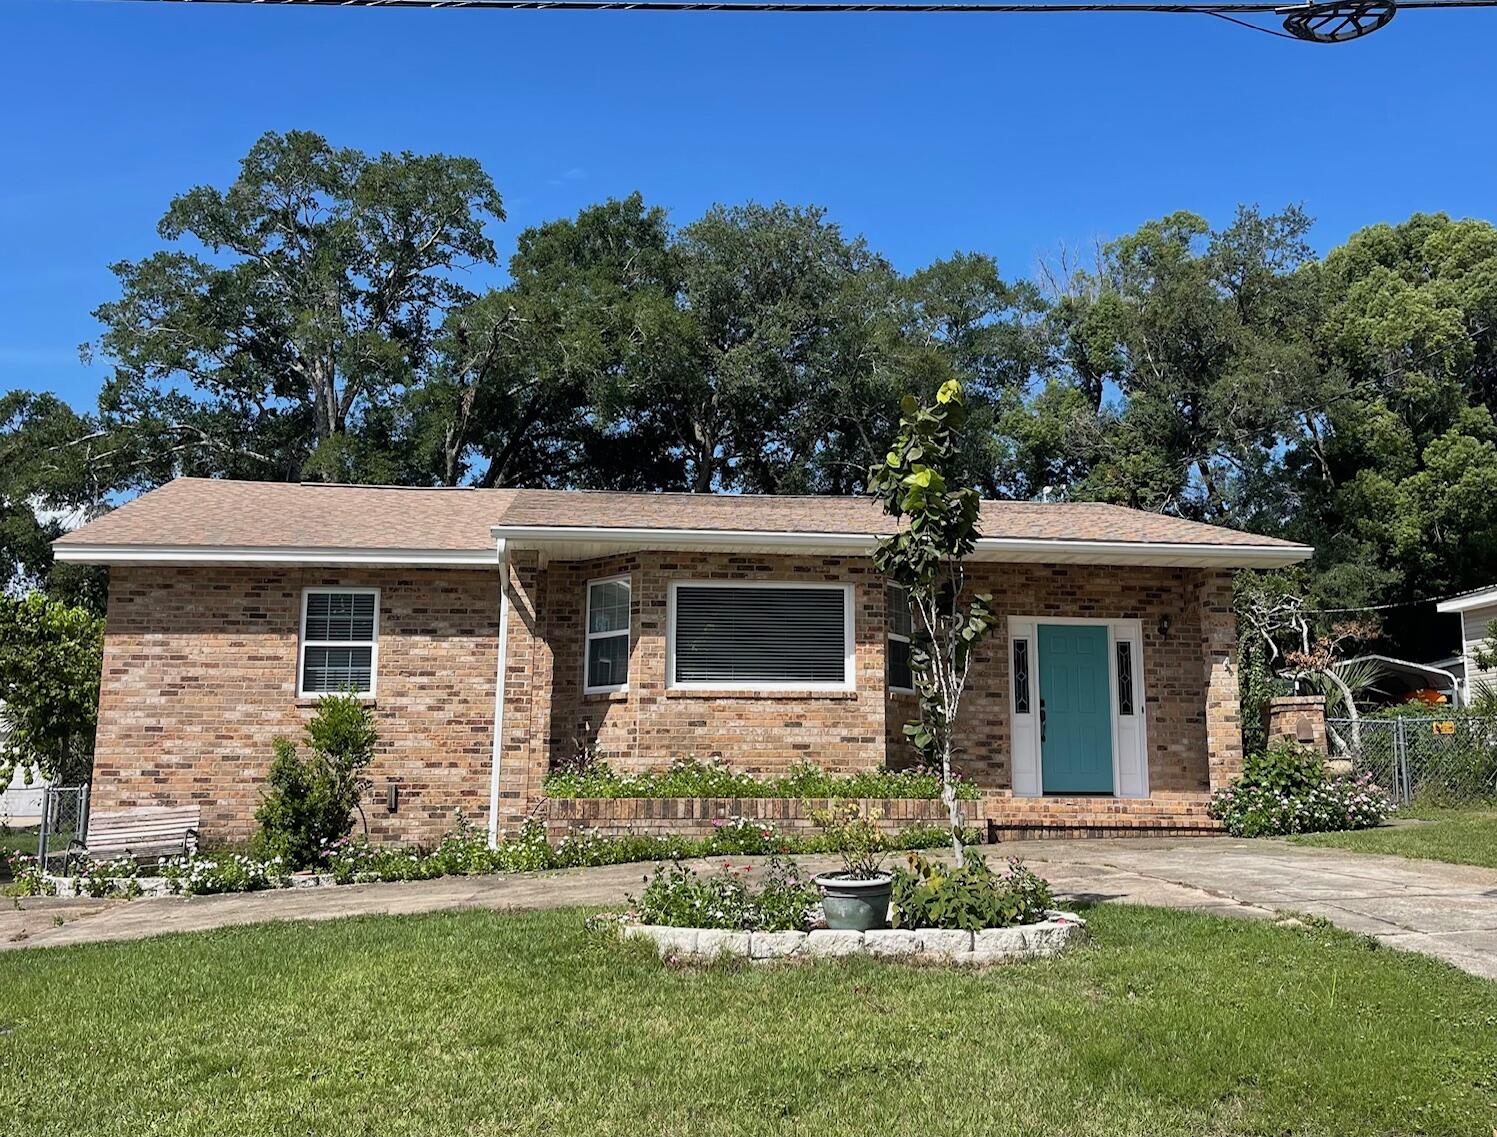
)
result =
(647, 627)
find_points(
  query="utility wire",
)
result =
(1383, 607)
(1224, 9)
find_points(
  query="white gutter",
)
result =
(1103, 552)
(1465, 603)
(266, 555)
(499, 678)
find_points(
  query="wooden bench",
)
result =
(142, 832)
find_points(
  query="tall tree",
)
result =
(1199, 335)
(307, 299)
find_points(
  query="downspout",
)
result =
(499, 676)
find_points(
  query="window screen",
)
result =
(747, 635)
(338, 639)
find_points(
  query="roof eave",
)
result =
(603, 539)
(104, 554)
(1483, 599)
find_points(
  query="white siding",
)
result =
(1474, 631)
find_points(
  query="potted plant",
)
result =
(856, 898)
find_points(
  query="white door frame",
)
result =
(1130, 747)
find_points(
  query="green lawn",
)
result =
(491, 1022)
(1462, 837)
(21, 840)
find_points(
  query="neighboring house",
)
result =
(1476, 610)
(20, 804)
(645, 628)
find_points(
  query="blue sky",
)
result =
(1010, 135)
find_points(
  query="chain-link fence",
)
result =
(1440, 761)
(44, 821)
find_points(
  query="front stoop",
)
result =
(1011, 818)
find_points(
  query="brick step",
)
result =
(1039, 831)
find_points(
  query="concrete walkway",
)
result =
(1447, 911)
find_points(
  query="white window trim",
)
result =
(894, 636)
(590, 635)
(849, 639)
(302, 643)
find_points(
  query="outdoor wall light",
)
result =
(1164, 626)
(392, 797)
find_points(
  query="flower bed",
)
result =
(463, 852)
(1042, 939)
(1287, 790)
(689, 778)
(966, 914)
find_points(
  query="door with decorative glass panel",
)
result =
(1077, 703)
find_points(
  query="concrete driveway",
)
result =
(1447, 911)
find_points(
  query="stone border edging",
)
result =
(152, 887)
(990, 945)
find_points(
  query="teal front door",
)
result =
(1075, 711)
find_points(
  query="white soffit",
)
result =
(581, 542)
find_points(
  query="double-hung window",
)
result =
(339, 640)
(760, 635)
(901, 624)
(607, 636)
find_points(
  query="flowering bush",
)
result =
(683, 898)
(688, 777)
(27, 877)
(203, 873)
(856, 837)
(744, 837)
(116, 878)
(930, 894)
(1286, 790)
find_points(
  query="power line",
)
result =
(1313, 21)
(1244, 7)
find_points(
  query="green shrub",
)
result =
(118, 878)
(203, 874)
(1286, 790)
(683, 898)
(309, 801)
(27, 876)
(466, 851)
(688, 777)
(1285, 768)
(931, 894)
(1418, 710)
(855, 837)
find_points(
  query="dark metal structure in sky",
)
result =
(1328, 21)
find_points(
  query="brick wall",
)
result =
(1190, 690)
(1175, 705)
(1296, 718)
(648, 725)
(696, 817)
(200, 675)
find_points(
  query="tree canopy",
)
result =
(340, 316)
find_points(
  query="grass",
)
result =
(486, 1022)
(1459, 836)
(19, 839)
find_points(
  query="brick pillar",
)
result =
(1219, 675)
(1296, 718)
(527, 695)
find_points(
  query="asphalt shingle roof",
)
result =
(202, 512)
